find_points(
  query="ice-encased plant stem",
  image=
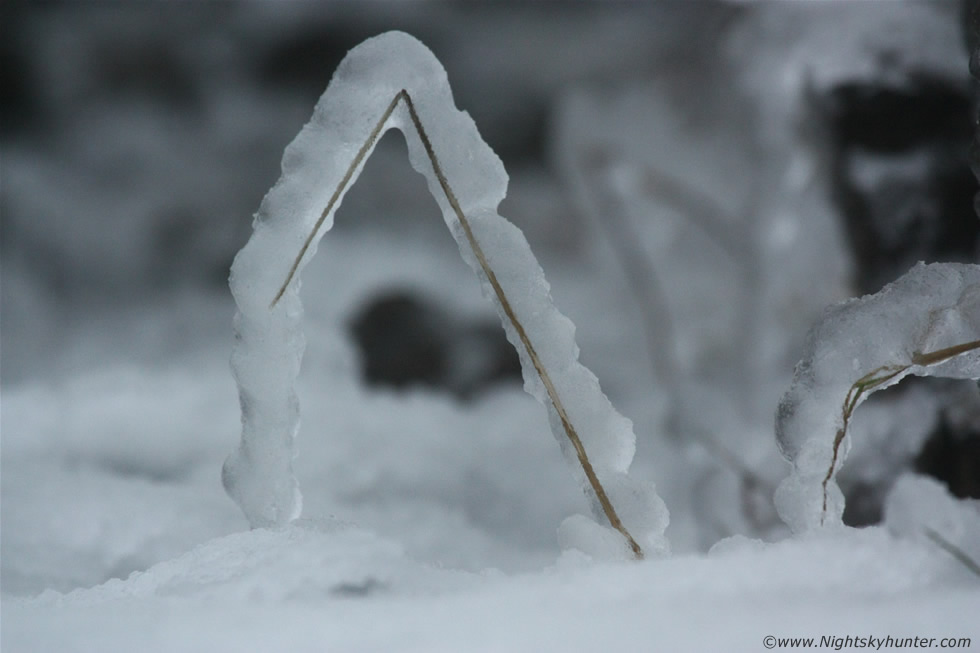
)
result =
(927, 323)
(394, 81)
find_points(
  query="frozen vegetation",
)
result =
(395, 81)
(927, 323)
(685, 214)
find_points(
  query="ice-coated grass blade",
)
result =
(344, 182)
(859, 347)
(403, 97)
(874, 379)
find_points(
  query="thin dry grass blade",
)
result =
(583, 458)
(877, 377)
(953, 550)
(358, 158)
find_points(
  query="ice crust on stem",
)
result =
(394, 81)
(927, 323)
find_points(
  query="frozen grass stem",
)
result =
(403, 96)
(876, 378)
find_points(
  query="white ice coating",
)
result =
(931, 308)
(269, 341)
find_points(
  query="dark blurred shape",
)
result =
(303, 60)
(149, 69)
(402, 341)
(952, 455)
(20, 105)
(405, 340)
(971, 21)
(948, 452)
(971, 27)
(864, 504)
(901, 175)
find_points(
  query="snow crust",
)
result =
(930, 308)
(316, 586)
(269, 340)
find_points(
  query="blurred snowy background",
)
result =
(699, 180)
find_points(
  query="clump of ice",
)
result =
(269, 341)
(929, 309)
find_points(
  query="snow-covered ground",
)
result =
(428, 527)
(333, 587)
(430, 523)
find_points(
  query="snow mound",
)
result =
(307, 561)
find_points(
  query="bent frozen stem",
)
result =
(926, 323)
(394, 81)
(872, 381)
(403, 96)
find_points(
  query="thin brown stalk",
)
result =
(508, 309)
(644, 282)
(345, 180)
(877, 377)
(866, 382)
(953, 550)
(943, 355)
